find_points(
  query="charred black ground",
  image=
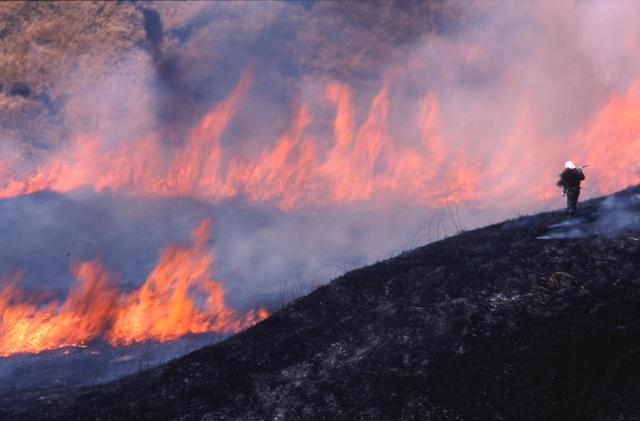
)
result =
(94, 363)
(532, 318)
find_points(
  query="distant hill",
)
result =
(533, 318)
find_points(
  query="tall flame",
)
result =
(611, 142)
(364, 163)
(177, 298)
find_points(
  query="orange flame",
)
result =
(362, 163)
(166, 306)
(610, 143)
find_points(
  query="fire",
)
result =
(362, 163)
(610, 143)
(177, 298)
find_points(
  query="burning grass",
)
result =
(489, 324)
(177, 298)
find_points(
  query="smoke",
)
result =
(616, 215)
(262, 255)
(317, 136)
(456, 95)
(118, 107)
(574, 228)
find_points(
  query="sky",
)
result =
(316, 137)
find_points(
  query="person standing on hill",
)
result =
(570, 183)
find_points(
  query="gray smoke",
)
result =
(618, 214)
(262, 255)
(615, 215)
(545, 66)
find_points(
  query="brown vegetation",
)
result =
(42, 43)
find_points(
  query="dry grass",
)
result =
(42, 39)
(55, 48)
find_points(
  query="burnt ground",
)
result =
(93, 363)
(532, 318)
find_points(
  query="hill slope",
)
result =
(533, 318)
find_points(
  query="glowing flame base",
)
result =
(177, 298)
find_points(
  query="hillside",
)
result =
(532, 318)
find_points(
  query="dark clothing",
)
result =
(571, 178)
(570, 182)
(572, 199)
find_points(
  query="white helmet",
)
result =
(570, 165)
